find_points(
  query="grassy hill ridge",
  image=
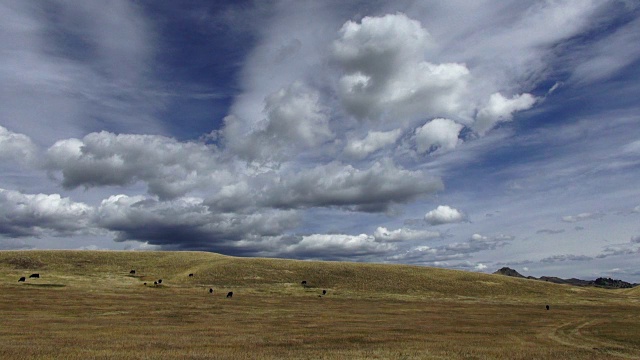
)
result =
(66, 267)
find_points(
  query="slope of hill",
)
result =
(263, 275)
(88, 304)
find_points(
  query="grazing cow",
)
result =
(145, 284)
(155, 283)
(160, 281)
(34, 276)
(132, 272)
(324, 292)
(229, 294)
(22, 279)
(190, 275)
(210, 291)
(547, 307)
(304, 282)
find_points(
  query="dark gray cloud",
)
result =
(14, 244)
(187, 223)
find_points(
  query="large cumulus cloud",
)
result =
(385, 73)
(294, 120)
(170, 168)
(24, 215)
(371, 189)
(186, 223)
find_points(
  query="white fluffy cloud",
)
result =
(387, 76)
(16, 147)
(374, 141)
(338, 245)
(383, 58)
(42, 214)
(169, 168)
(444, 214)
(501, 109)
(295, 120)
(294, 113)
(438, 133)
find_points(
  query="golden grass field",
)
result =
(86, 305)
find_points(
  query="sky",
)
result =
(456, 134)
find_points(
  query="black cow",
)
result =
(34, 276)
(145, 284)
(210, 291)
(22, 279)
(132, 272)
(229, 294)
(160, 281)
(324, 292)
(304, 282)
(155, 283)
(190, 275)
(547, 307)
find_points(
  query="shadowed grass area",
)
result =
(370, 310)
(45, 285)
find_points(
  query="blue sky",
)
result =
(465, 135)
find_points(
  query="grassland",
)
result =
(86, 305)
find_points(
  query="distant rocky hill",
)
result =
(508, 272)
(607, 283)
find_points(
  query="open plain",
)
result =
(88, 304)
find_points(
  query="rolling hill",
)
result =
(275, 276)
(87, 304)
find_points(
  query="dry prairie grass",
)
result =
(87, 305)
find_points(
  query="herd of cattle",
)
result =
(159, 282)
